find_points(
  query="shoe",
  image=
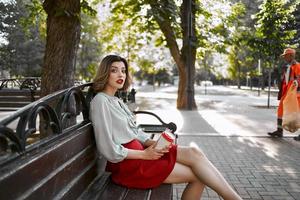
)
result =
(276, 133)
(297, 138)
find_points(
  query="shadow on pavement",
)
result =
(258, 168)
(193, 122)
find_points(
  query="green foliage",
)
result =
(22, 52)
(142, 16)
(6, 17)
(146, 66)
(126, 30)
(241, 57)
(165, 10)
(86, 8)
(90, 48)
(35, 16)
(160, 76)
(221, 37)
(24, 31)
(294, 25)
(272, 35)
(134, 21)
(216, 27)
(238, 11)
(241, 63)
(145, 71)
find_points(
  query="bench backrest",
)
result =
(59, 166)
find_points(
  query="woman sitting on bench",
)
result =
(132, 158)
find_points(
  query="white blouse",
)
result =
(114, 125)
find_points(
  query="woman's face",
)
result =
(117, 77)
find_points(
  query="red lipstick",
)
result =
(120, 81)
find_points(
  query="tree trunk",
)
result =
(182, 85)
(63, 35)
(180, 56)
(238, 75)
(188, 51)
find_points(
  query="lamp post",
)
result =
(269, 82)
(269, 86)
(190, 91)
(259, 79)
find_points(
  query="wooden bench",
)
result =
(16, 93)
(63, 164)
(13, 99)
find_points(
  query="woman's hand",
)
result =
(149, 142)
(166, 148)
(151, 153)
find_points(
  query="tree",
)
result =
(159, 76)
(240, 56)
(164, 15)
(162, 76)
(172, 21)
(27, 26)
(63, 35)
(90, 48)
(272, 35)
(251, 8)
(22, 50)
(295, 25)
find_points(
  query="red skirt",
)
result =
(137, 173)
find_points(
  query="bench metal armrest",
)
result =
(154, 128)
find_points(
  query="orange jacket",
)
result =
(294, 75)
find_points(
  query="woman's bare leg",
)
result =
(184, 174)
(206, 171)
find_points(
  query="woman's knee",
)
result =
(196, 152)
(189, 155)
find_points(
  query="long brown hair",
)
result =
(102, 75)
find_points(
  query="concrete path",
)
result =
(230, 126)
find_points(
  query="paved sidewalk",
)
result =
(257, 166)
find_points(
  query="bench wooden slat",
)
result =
(13, 104)
(113, 191)
(79, 184)
(26, 99)
(35, 168)
(133, 194)
(96, 187)
(164, 191)
(18, 92)
(59, 179)
(103, 188)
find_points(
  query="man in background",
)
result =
(290, 73)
